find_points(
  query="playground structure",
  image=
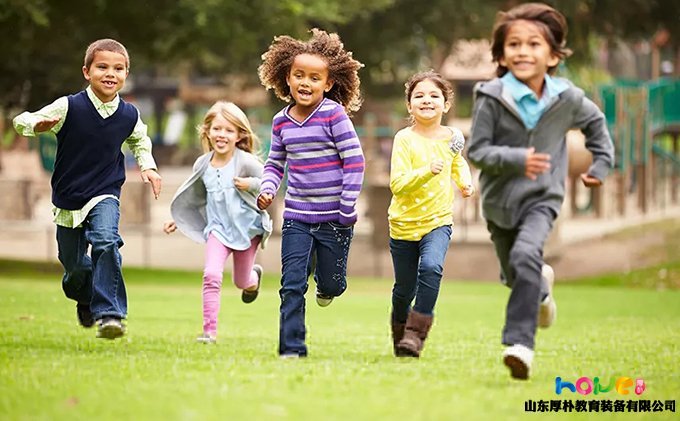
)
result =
(644, 121)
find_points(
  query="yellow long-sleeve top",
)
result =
(423, 201)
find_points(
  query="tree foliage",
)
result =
(43, 41)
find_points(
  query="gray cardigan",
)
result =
(189, 203)
(499, 142)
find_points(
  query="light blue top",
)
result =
(529, 106)
(229, 218)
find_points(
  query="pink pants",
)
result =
(243, 275)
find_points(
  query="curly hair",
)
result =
(549, 21)
(248, 140)
(342, 68)
(105, 44)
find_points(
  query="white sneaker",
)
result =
(547, 311)
(518, 359)
(289, 356)
(206, 338)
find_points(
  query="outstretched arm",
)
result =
(50, 117)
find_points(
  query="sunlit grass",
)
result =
(52, 369)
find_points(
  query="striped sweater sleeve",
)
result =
(349, 149)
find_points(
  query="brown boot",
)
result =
(417, 327)
(397, 334)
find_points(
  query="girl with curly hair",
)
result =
(315, 140)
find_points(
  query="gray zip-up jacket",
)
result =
(188, 207)
(499, 142)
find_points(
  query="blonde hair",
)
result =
(105, 44)
(248, 140)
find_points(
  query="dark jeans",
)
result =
(520, 253)
(418, 269)
(322, 248)
(95, 280)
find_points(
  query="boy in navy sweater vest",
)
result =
(91, 126)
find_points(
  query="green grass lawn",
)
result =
(50, 368)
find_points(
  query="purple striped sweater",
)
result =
(325, 165)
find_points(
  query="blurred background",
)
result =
(185, 55)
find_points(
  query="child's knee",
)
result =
(524, 258)
(79, 272)
(430, 267)
(106, 241)
(212, 277)
(335, 288)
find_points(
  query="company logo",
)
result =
(586, 386)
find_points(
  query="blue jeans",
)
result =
(305, 248)
(418, 269)
(96, 280)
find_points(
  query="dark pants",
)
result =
(305, 248)
(520, 253)
(418, 269)
(96, 280)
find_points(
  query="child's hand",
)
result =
(590, 181)
(241, 183)
(169, 227)
(45, 125)
(264, 200)
(436, 166)
(468, 190)
(536, 164)
(151, 176)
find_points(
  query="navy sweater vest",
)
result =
(89, 160)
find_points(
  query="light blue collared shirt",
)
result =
(529, 106)
(230, 220)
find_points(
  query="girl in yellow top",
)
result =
(426, 161)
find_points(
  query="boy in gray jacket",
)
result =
(520, 121)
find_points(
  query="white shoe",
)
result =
(206, 338)
(518, 359)
(289, 356)
(547, 311)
